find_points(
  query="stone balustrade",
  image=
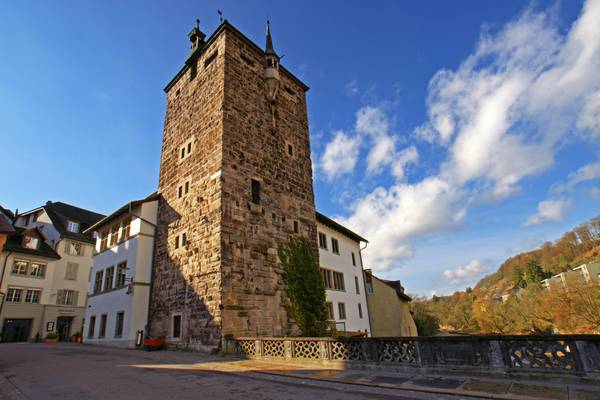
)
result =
(573, 355)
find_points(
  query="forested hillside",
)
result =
(526, 307)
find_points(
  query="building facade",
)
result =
(341, 265)
(45, 272)
(582, 275)
(389, 308)
(235, 181)
(119, 291)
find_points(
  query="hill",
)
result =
(482, 308)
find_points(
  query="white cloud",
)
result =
(464, 273)
(351, 88)
(589, 119)
(501, 116)
(548, 210)
(340, 155)
(402, 159)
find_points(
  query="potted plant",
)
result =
(51, 337)
(154, 343)
(76, 337)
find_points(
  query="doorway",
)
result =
(63, 327)
(16, 330)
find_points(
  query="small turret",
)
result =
(271, 67)
(196, 36)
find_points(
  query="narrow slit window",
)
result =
(255, 191)
(296, 229)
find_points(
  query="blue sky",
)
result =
(450, 134)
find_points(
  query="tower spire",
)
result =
(269, 46)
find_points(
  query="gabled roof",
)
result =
(5, 224)
(61, 213)
(14, 243)
(396, 285)
(154, 196)
(339, 227)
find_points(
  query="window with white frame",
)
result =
(322, 241)
(66, 297)
(327, 279)
(31, 242)
(342, 310)
(181, 240)
(330, 315)
(32, 296)
(92, 326)
(114, 235)
(121, 274)
(102, 331)
(108, 278)
(71, 272)
(119, 322)
(20, 267)
(98, 282)
(125, 229)
(73, 226)
(74, 248)
(335, 246)
(338, 281)
(37, 270)
(14, 295)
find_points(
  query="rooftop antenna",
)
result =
(197, 24)
(220, 15)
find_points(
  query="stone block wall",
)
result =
(227, 279)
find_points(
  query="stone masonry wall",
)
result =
(227, 279)
(255, 146)
(187, 280)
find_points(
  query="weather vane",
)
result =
(197, 23)
(220, 15)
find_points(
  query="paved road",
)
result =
(72, 371)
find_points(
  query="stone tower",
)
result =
(235, 180)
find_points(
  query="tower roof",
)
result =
(269, 46)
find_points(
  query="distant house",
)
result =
(45, 267)
(342, 269)
(389, 308)
(583, 274)
(6, 225)
(119, 291)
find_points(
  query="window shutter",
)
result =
(75, 296)
(59, 296)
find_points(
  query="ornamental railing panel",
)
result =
(307, 349)
(346, 351)
(542, 354)
(274, 348)
(396, 351)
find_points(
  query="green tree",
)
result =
(535, 273)
(304, 297)
(518, 279)
(426, 321)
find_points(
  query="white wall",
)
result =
(137, 251)
(342, 262)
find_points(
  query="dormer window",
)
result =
(31, 242)
(73, 226)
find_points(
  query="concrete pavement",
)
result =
(73, 371)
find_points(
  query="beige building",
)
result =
(389, 308)
(45, 272)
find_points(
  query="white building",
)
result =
(119, 290)
(341, 265)
(44, 272)
(582, 275)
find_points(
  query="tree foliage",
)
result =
(512, 301)
(305, 290)
(426, 321)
